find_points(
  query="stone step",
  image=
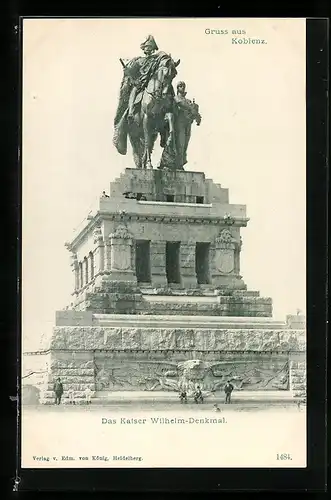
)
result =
(115, 187)
(202, 291)
(208, 309)
(205, 299)
(105, 397)
(187, 321)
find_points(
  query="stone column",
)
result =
(99, 257)
(187, 264)
(91, 265)
(81, 275)
(74, 266)
(121, 242)
(158, 263)
(237, 257)
(107, 255)
(86, 271)
(75, 270)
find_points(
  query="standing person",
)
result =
(198, 397)
(58, 389)
(186, 113)
(88, 394)
(71, 397)
(183, 396)
(228, 388)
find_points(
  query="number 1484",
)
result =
(284, 456)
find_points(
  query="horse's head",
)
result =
(166, 73)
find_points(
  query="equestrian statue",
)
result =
(148, 107)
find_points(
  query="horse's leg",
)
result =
(136, 150)
(171, 152)
(154, 135)
(136, 139)
(172, 136)
(147, 162)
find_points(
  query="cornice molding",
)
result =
(126, 217)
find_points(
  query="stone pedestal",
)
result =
(160, 209)
(196, 216)
(122, 334)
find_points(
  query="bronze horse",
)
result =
(154, 110)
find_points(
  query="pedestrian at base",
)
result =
(71, 396)
(58, 390)
(88, 394)
(228, 388)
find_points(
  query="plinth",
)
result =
(158, 298)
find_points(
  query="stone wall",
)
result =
(142, 358)
(225, 306)
(299, 378)
(77, 373)
(213, 339)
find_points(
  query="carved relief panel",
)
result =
(259, 375)
(121, 249)
(225, 246)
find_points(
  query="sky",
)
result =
(251, 141)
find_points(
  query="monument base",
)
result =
(147, 354)
(109, 297)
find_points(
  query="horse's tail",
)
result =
(123, 100)
(120, 135)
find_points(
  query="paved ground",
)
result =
(162, 406)
(168, 398)
(169, 401)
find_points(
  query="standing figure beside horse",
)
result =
(146, 98)
(184, 113)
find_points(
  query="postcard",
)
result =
(164, 262)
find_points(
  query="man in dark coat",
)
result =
(58, 389)
(228, 388)
(183, 396)
(198, 397)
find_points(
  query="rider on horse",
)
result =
(144, 64)
(146, 98)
